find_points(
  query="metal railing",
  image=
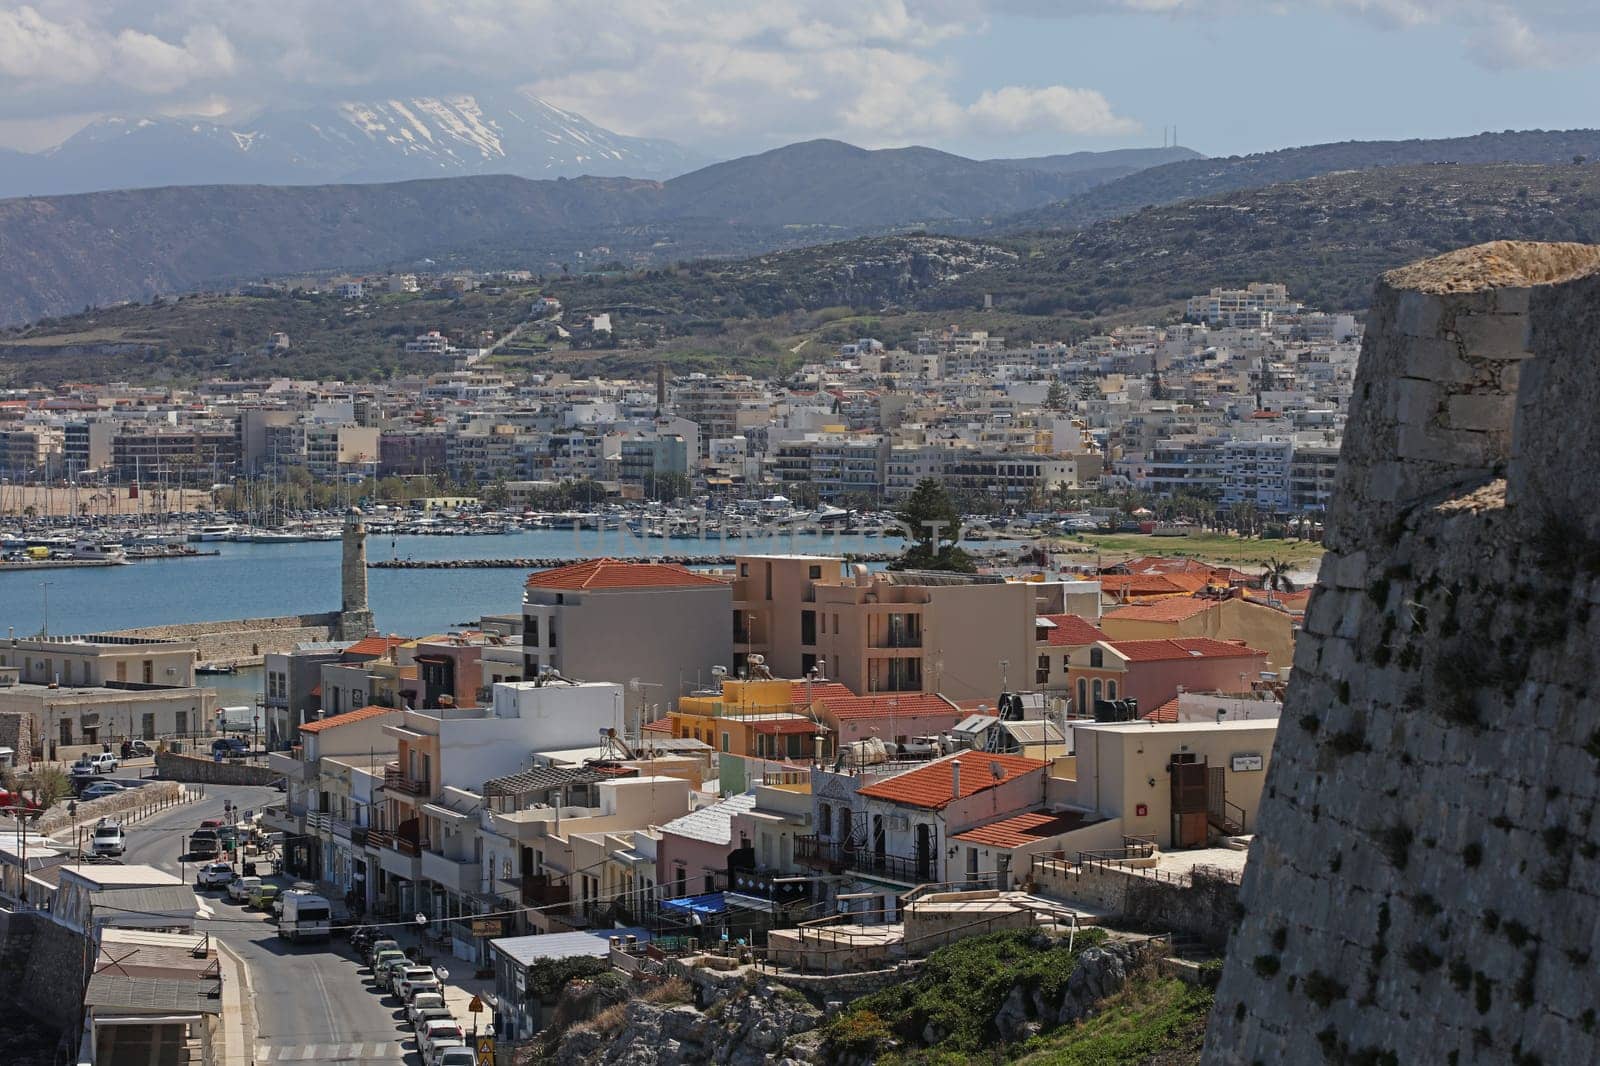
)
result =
(852, 855)
(396, 780)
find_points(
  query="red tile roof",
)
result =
(1151, 584)
(348, 718)
(372, 647)
(1150, 651)
(1028, 828)
(1174, 610)
(779, 725)
(660, 725)
(883, 704)
(1071, 631)
(619, 574)
(931, 786)
(1167, 712)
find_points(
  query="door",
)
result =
(1189, 795)
(924, 853)
(880, 841)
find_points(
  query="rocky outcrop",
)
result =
(1100, 972)
(740, 1026)
(1423, 883)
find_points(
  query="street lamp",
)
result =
(31, 813)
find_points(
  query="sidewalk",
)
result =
(460, 986)
(238, 1012)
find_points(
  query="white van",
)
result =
(109, 839)
(305, 916)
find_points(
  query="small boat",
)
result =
(215, 668)
(210, 533)
(94, 549)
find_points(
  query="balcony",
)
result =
(397, 780)
(318, 822)
(290, 765)
(851, 857)
(457, 875)
(538, 890)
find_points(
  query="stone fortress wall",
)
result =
(243, 641)
(1425, 882)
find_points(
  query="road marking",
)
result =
(379, 1051)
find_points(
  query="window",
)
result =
(552, 632)
(824, 820)
(1097, 692)
(815, 572)
(147, 725)
(725, 745)
(149, 670)
(1083, 697)
(808, 627)
(531, 637)
(769, 581)
(744, 569)
(180, 722)
(1097, 658)
(1042, 674)
(1111, 690)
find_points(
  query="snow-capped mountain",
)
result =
(352, 141)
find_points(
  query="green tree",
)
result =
(932, 524)
(1056, 398)
(49, 785)
(497, 495)
(1275, 575)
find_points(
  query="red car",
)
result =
(17, 799)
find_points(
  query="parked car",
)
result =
(103, 763)
(100, 790)
(414, 979)
(376, 948)
(214, 875)
(383, 973)
(136, 749)
(263, 898)
(431, 1014)
(230, 747)
(436, 1050)
(241, 888)
(109, 839)
(436, 1031)
(381, 961)
(424, 1001)
(456, 1056)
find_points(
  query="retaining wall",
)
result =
(1424, 885)
(134, 803)
(204, 771)
(244, 640)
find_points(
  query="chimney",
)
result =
(955, 778)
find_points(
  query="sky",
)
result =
(725, 77)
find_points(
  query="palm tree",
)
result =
(1275, 575)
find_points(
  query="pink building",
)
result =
(692, 855)
(1154, 670)
(891, 717)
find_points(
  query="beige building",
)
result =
(95, 659)
(69, 721)
(609, 620)
(966, 636)
(1234, 618)
(1174, 783)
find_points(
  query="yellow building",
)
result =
(758, 718)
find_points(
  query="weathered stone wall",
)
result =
(1204, 905)
(134, 803)
(45, 968)
(204, 771)
(243, 640)
(1425, 880)
(16, 733)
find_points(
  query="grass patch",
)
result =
(1208, 547)
(1155, 1021)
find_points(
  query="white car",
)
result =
(437, 1050)
(240, 889)
(424, 1001)
(109, 839)
(103, 763)
(421, 1018)
(214, 875)
(415, 979)
(456, 1056)
(434, 1032)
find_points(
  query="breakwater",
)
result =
(547, 564)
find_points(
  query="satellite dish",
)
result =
(996, 771)
(420, 918)
(444, 974)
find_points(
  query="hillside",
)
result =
(1208, 177)
(61, 253)
(1325, 237)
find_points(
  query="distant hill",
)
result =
(350, 141)
(1206, 177)
(60, 253)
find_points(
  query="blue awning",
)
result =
(710, 903)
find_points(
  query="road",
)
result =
(313, 1003)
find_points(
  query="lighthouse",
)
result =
(355, 617)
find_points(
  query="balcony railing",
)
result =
(396, 780)
(380, 838)
(538, 890)
(848, 856)
(318, 821)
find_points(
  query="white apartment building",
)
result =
(1257, 471)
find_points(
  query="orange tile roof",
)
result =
(1071, 631)
(619, 574)
(820, 690)
(1026, 828)
(373, 647)
(1150, 651)
(1150, 584)
(660, 725)
(883, 704)
(931, 786)
(348, 718)
(1167, 712)
(1174, 610)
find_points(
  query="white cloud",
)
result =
(1055, 108)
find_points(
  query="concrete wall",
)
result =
(197, 770)
(129, 804)
(1425, 880)
(44, 968)
(1202, 905)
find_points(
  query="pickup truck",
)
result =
(205, 844)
